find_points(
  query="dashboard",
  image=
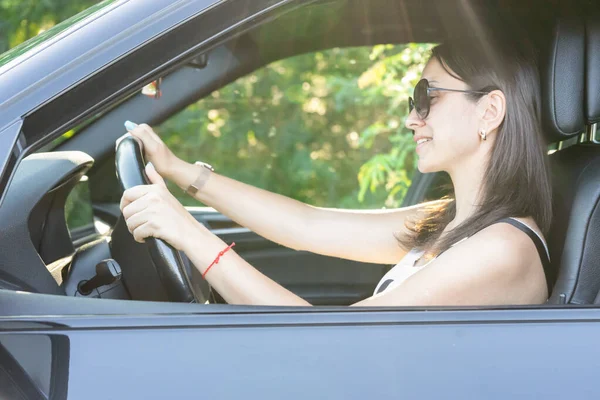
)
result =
(48, 243)
(51, 242)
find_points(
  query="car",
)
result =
(86, 312)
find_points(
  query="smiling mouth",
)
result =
(423, 142)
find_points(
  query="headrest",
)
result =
(592, 111)
(562, 80)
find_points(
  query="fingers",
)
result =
(148, 130)
(139, 213)
(155, 150)
(142, 232)
(137, 221)
(146, 194)
(144, 132)
(135, 207)
(151, 211)
(134, 193)
(154, 176)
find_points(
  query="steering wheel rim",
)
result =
(130, 167)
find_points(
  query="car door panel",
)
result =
(158, 350)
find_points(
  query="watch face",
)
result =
(205, 165)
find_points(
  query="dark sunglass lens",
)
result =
(411, 104)
(421, 98)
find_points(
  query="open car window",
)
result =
(326, 128)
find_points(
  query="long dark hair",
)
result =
(517, 179)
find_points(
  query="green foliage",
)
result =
(326, 128)
(78, 206)
(21, 20)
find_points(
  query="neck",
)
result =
(467, 180)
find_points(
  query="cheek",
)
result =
(455, 137)
(455, 124)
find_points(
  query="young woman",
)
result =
(475, 115)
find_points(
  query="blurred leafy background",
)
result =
(21, 20)
(326, 128)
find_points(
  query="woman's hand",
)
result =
(152, 211)
(155, 150)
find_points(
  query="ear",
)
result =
(492, 109)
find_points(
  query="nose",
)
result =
(413, 121)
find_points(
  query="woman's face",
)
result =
(452, 124)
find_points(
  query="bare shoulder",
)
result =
(513, 246)
(501, 260)
(500, 246)
(497, 265)
(512, 254)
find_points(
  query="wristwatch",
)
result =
(205, 171)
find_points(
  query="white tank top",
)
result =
(406, 267)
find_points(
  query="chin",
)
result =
(426, 168)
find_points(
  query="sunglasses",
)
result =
(422, 100)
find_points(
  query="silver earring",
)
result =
(483, 134)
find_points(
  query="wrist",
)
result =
(200, 242)
(178, 172)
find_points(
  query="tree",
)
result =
(325, 128)
(23, 19)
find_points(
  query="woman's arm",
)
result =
(361, 235)
(366, 236)
(152, 211)
(233, 278)
(495, 266)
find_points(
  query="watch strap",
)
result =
(203, 175)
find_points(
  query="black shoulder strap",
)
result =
(534, 236)
(539, 245)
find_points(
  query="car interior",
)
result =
(40, 253)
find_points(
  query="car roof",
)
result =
(47, 66)
(28, 48)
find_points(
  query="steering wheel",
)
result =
(169, 263)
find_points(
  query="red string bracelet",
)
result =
(216, 261)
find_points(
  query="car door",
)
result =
(125, 349)
(122, 349)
